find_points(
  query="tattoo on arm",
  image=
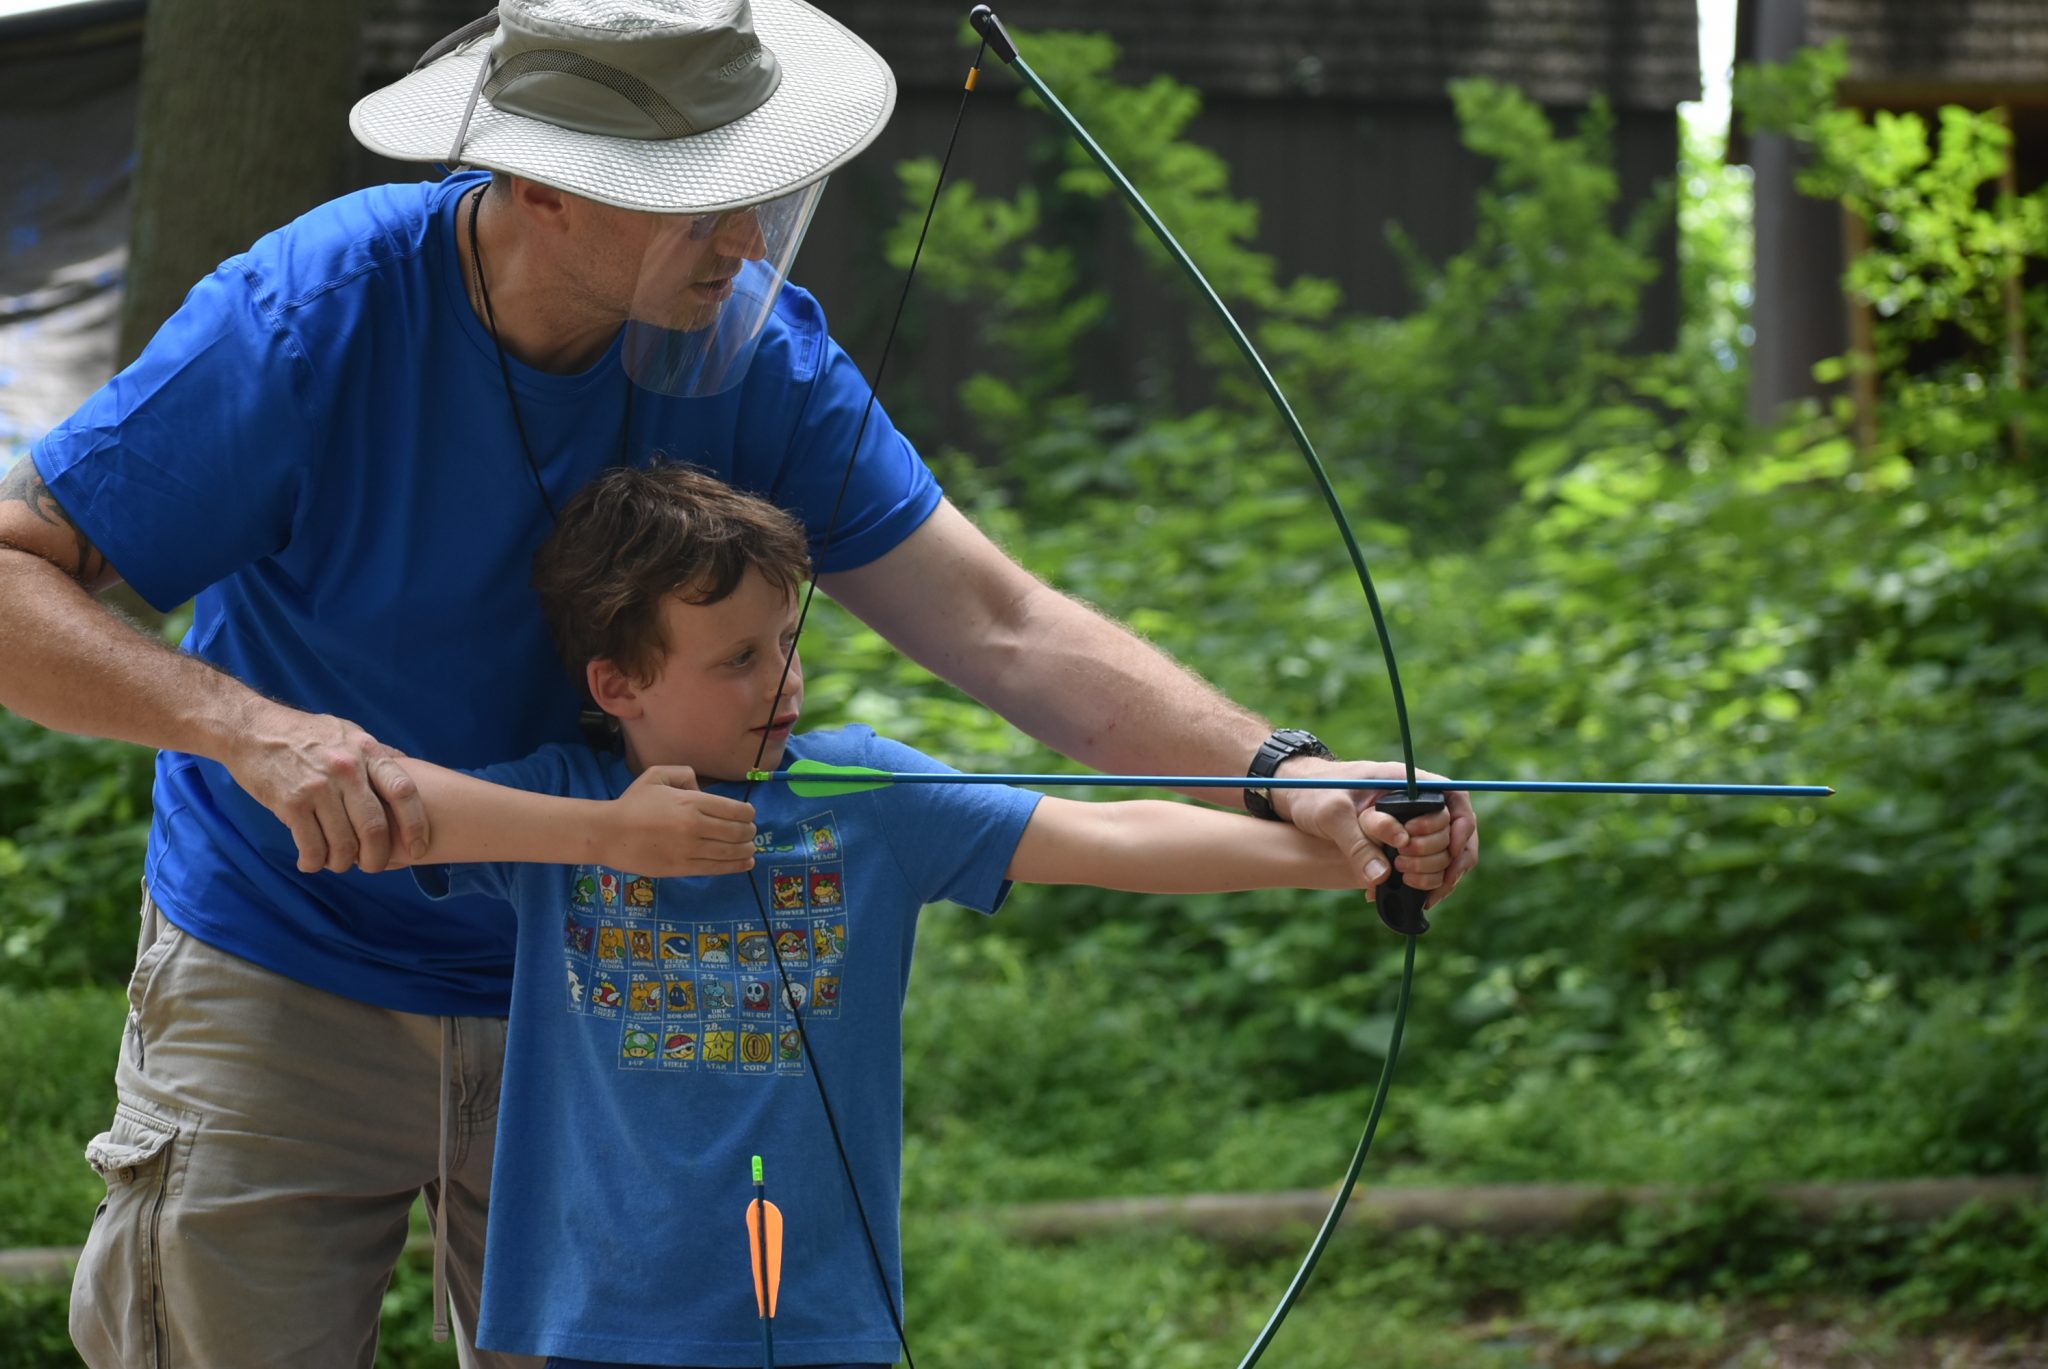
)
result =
(24, 485)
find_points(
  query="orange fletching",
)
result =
(770, 1246)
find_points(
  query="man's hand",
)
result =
(664, 825)
(343, 794)
(1436, 850)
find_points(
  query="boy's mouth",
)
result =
(779, 728)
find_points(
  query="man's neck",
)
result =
(528, 312)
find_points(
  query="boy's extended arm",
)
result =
(1149, 846)
(663, 825)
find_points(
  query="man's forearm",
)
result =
(1093, 690)
(1085, 686)
(70, 663)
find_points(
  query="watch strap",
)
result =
(1282, 746)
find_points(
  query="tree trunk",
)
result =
(243, 127)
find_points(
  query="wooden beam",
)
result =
(1259, 1220)
(2015, 296)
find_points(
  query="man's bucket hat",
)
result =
(664, 106)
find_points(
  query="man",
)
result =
(347, 445)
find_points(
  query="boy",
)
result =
(653, 1044)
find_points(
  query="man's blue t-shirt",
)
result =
(319, 446)
(652, 1052)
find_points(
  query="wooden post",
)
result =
(2015, 296)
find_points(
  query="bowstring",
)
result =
(781, 687)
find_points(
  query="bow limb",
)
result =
(1399, 906)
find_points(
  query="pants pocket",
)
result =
(158, 935)
(117, 1294)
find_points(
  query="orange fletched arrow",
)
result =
(767, 1248)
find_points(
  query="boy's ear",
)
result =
(613, 690)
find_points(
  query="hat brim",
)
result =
(835, 96)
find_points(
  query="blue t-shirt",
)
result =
(319, 446)
(652, 1052)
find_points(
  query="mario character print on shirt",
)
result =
(824, 997)
(638, 1044)
(793, 943)
(577, 935)
(607, 993)
(717, 996)
(676, 944)
(757, 1050)
(720, 1046)
(643, 995)
(821, 838)
(679, 996)
(828, 940)
(827, 886)
(751, 945)
(713, 997)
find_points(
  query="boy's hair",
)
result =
(630, 538)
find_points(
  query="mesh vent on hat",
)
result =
(665, 117)
(620, 16)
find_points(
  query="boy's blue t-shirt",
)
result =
(319, 446)
(652, 1052)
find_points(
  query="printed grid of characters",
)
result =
(705, 995)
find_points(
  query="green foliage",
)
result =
(57, 1054)
(1518, 334)
(1949, 260)
(1522, 332)
(74, 816)
(1708, 377)
(1662, 595)
(33, 1334)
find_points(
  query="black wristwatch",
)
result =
(1283, 746)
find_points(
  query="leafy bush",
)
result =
(74, 818)
(1947, 270)
(1668, 597)
(57, 1054)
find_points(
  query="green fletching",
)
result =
(818, 780)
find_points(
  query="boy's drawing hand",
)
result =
(1436, 850)
(665, 825)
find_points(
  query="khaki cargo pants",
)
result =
(268, 1143)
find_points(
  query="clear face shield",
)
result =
(706, 288)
